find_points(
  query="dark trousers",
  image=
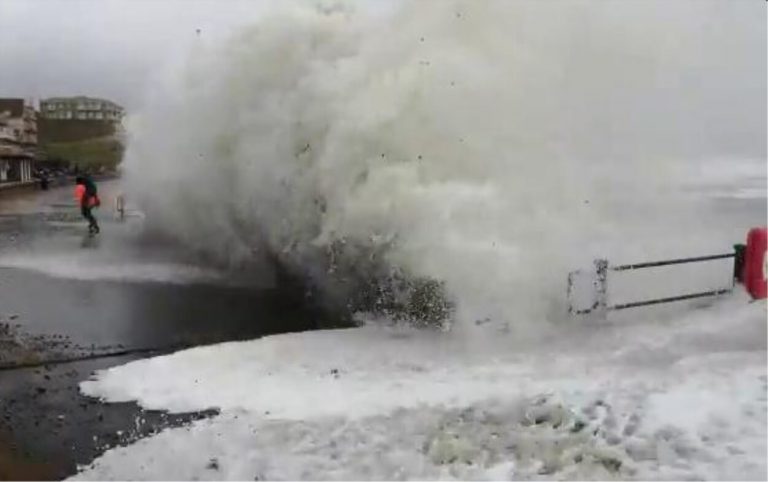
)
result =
(87, 214)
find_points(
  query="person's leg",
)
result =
(95, 223)
(92, 225)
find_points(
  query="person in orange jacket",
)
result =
(86, 195)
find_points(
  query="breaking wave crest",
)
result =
(444, 157)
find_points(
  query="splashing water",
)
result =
(480, 148)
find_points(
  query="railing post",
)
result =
(738, 263)
(120, 207)
(601, 288)
(569, 293)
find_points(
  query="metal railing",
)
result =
(600, 304)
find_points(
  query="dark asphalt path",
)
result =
(64, 296)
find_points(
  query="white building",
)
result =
(81, 108)
(18, 141)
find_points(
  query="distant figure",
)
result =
(44, 182)
(87, 196)
(42, 176)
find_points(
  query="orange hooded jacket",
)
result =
(80, 193)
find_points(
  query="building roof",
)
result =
(79, 98)
(12, 107)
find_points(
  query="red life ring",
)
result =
(755, 263)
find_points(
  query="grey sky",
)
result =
(106, 48)
(111, 48)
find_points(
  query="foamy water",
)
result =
(491, 146)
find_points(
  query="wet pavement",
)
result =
(71, 304)
(48, 428)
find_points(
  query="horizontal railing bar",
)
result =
(691, 296)
(584, 312)
(652, 264)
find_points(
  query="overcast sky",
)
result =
(111, 48)
(104, 48)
